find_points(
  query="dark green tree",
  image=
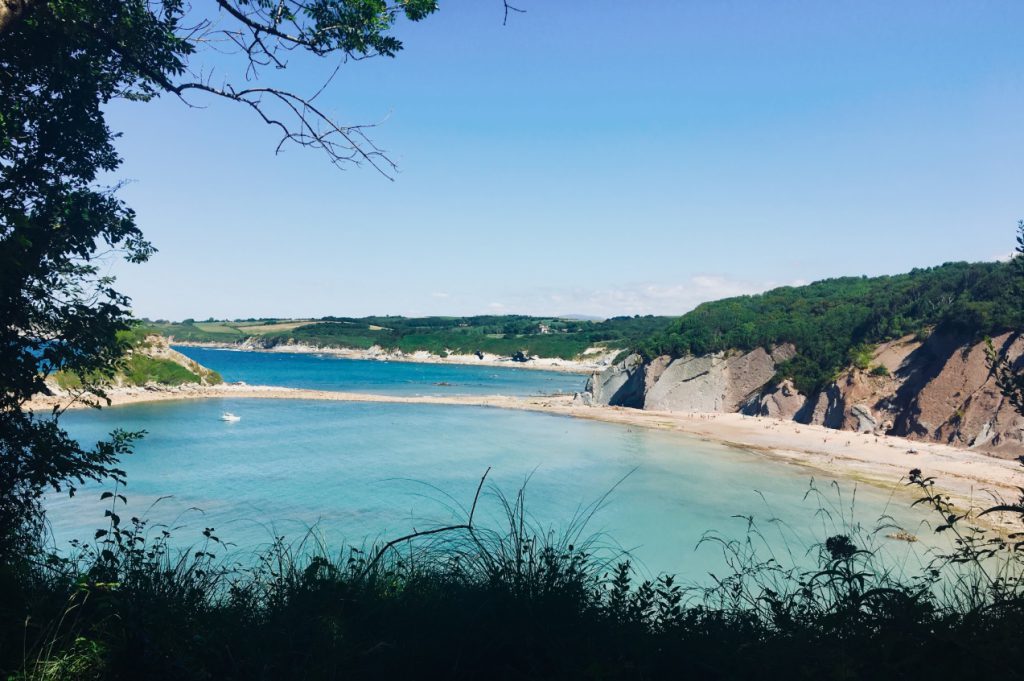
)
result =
(61, 61)
(1009, 375)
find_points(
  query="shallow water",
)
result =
(327, 372)
(366, 471)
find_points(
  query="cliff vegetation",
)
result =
(833, 323)
(147, 359)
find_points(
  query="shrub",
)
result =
(860, 356)
(67, 380)
(465, 602)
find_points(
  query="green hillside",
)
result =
(832, 322)
(497, 334)
(140, 366)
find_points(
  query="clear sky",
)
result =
(597, 157)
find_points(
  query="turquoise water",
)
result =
(362, 471)
(325, 372)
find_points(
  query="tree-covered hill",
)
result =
(830, 322)
(497, 334)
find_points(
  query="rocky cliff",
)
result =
(939, 389)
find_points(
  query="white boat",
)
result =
(228, 416)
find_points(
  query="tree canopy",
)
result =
(1010, 374)
(829, 320)
(61, 62)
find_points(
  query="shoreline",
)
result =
(970, 478)
(570, 366)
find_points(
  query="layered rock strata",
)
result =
(939, 389)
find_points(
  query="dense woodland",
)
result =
(831, 321)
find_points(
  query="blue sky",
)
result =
(596, 158)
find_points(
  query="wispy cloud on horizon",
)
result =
(638, 298)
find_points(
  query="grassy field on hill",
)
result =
(500, 335)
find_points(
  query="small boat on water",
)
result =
(228, 416)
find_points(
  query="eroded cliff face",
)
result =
(936, 390)
(718, 382)
(620, 385)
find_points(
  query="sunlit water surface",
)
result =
(326, 372)
(370, 471)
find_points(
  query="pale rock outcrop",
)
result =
(258, 343)
(689, 384)
(865, 421)
(718, 382)
(655, 368)
(583, 399)
(621, 384)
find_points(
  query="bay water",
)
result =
(363, 472)
(328, 372)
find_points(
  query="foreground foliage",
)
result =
(471, 603)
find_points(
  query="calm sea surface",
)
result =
(325, 372)
(369, 471)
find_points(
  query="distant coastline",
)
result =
(971, 478)
(601, 360)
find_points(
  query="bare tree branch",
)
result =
(510, 8)
(310, 126)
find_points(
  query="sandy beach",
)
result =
(598, 359)
(972, 479)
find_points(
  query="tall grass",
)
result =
(518, 601)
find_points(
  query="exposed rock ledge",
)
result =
(939, 390)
